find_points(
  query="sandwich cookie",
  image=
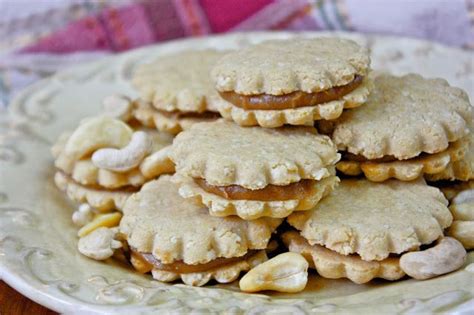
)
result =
(176, 238)
(294, 81)
(176, 90)
(409, 126)
(253, 172)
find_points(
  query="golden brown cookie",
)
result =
(403, 117)
(179, 82)
(177, 236)
(253, 172)
(375, 220)
(294, 81)
(332, 265)
(101, 199)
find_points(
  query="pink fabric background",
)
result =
(39, 37)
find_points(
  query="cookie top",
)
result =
(225, 154)
(283, 66)
(158, 220)
(375, 220)
(403, 117)
(178, 82)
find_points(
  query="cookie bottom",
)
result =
(100, 199)
(253, 209)
(406, 170)
(173, 122)
(332, 265)
(296, 116)
(225, 273)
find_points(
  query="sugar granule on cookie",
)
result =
(253, 172)
(294, 81)
(176, 238)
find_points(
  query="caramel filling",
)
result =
(361, 159)
(298, 190)
(176, 114)
(291, 100)
(385, 159)
(146, 262)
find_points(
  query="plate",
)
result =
(38, 255)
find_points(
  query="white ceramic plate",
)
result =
(38, 254)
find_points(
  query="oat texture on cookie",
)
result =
(375, 220)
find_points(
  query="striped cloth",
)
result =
(39, 37)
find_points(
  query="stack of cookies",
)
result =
(360, 213)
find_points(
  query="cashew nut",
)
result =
(101, 220)
(448, 255)
(126, 158)
(287, 272)
(117, 106)
(83, 215)
(100, 244)
(157, 163)
(96, 133)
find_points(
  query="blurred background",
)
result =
(39, 37)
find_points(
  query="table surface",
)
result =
(12, 302)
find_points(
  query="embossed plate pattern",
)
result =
(38, 254)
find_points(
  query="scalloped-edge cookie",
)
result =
(283, 66)
(403, 117)
(332, 265)
(224, 274)
(159, 221)
(173, 122)
(102, 200)
(225, 154)
(461, 169)
(375, 220)
(295, 116)
(84, 172)
(407, 170)
(179, 82)
(253, 209)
